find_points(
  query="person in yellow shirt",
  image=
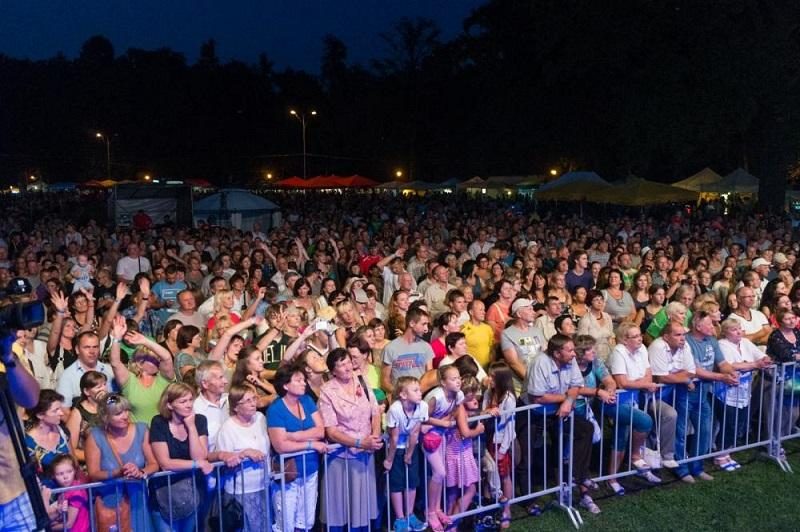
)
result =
(479, 334)
(16, 512)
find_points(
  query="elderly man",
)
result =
(436, 294)
(710, 367)
(187, 312)
(672, 365)
(133, 263)
(521, 342)
(755, 324)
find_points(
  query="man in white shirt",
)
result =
(436, 293)
(754, 323)
(88, 351)
(133, 263)
(547, 321)
(212, 401)
(482, 245)
(671, 363)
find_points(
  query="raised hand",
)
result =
(59, 302)
(119, 327)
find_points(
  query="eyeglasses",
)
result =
(113, 399)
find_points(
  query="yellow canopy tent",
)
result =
(637, 192)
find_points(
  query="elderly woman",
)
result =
(45, 438)
(295, 425)
(119, 448)
(598, 324)
(179, 438)
(244, 435)
(149, 374)
(630, 367)
(352, 419)
(733, 407)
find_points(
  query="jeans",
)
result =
(624, 416)
(693, 407)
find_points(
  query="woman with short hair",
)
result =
(352, 419)
(295, 425)
(244, 435)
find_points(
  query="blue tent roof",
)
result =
(234, 200)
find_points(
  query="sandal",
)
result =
(590, 484)
(588, 504)
(434, 523)
(534, 510)
(616, 487)
(641, 465)
(505, 523)
(728, 466)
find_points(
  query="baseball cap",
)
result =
(520, 303)
(760, 261)
(780, 258)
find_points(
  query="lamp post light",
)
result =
(302, 118)
(398, 174)
(107, 140)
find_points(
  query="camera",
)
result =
(18, 314)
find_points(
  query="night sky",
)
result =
(290, 32)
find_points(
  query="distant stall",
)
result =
(234, 207)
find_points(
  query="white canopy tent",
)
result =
(700, 181)
(573, 178)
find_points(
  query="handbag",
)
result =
(178, 499)
(232, 512)
(289, 468)
(107, 516)
(431, 441)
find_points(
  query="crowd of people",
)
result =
(367, 331)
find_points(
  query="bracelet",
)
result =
(118, 300)
(596, 392)
(115, 340)
(308, 445)
(358, 443)
(194, 464)
(61, 312)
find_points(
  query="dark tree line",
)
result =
(657, 88)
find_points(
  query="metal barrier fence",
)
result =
(353, 490)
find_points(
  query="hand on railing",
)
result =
(131, 471)
(607, 397)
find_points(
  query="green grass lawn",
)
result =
(759, 496)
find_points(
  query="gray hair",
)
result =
(674, 307)
(201, 373)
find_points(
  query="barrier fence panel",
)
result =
(352, 489)
(787, 407)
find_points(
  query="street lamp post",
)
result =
(107, 140)
(302, 118)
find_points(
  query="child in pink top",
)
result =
(70, 511)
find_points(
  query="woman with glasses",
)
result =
(244, 435)
(120, 449)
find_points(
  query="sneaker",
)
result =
(650, 477)
(689, 479)
(400, 525)
(616, 487)
(669, 463)
(588, 504)
(705, 476)
(415, 525)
